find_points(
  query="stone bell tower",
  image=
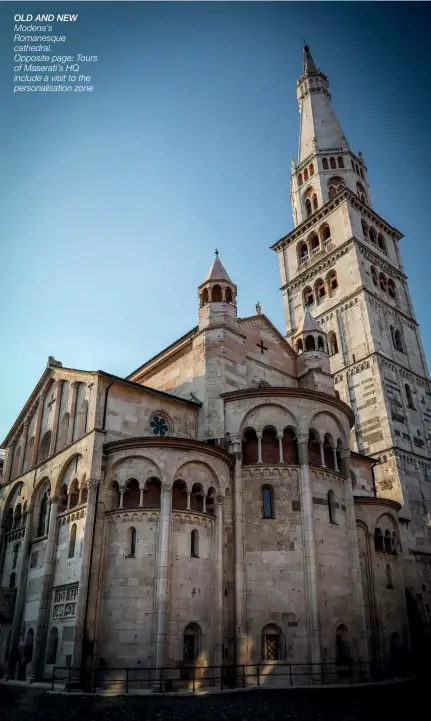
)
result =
(341, 265)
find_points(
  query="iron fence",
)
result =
(193, 678)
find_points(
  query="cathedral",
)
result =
(246, 497)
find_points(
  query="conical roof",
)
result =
(308, 325)
(217, 271)
(309, 64)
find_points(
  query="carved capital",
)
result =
(53, 499)
(92, 484)
(219, 500)
(75, 384)
(29, 509)
(345, 453)
(166, 488)
(303, 438)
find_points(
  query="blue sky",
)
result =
(112, 203)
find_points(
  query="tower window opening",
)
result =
(361, 192)
(332, 163)
(308, 208)
(374, 275)
(303, 252)
(314, 241)
(216, 294)
(308, 296)
(311, 169)
(391, 288)
(409, 396)
(326, 233)
(381, 242)
(365, 229)
(300, 181)
(373, 236)
(325, 165)
(332, 341)
(310, 343)
(320, 289)
(299, 345)
(315, 203)
(340, 162)
(332, 281)
(382, 282)
(305, 174)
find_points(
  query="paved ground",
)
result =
(406, 702)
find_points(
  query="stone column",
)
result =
(37, 430)
(259, 446)
(20, 596)
(322, 455)
(71, 428)
(204, 502)
(238, 526)
(162, 574)
(8, 464)
(84, 578)
(121, 501)
(280, 448)
(355, 562)
(53, 443)
(189, 493)
(309, 551)
(218, 584)
(36, 665)
(24, 437)
(337, 470)
(141, 497)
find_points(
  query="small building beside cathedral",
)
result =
(245, 497)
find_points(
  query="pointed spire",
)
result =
(308, 324)
(309, 64)
(217, 271)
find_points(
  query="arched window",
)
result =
(332, 510)
(300, 181)
(197, 498)
(320, 289)
(267, 502)
(315, 203)
(73, 494)
(325, 233)
(249, 448)
(320, 344)
(308, 208)
(364, 229)
(15, 555)
(361, 193)
(310, 343)
(332, 281)
(132, 494)
(332, 191)
(305, 175)
(228, 295)
(44, 447)
(28, 646)
(382, 282)
(43, 514)
(17, 516)
(63, 429)
(332, 163)
(391, 288)
(299, 345)
(342, 650)
(192, 641)
(389, 580)
(397, 339)
(216, 294)
(290, 447)
(332, 341)
(314, 449)
(194, 544)
(9, 520)
(353, 479)
(132, 542)
(340, 162)
(51, 651)
(303, 252)
(409, 396)
(328, 452)
(378, 539)
(72, 541)
(12, 579)
(325, 165)
(314, 241)
(270, 446)
(388, 543)
(308, 296)
(374, 275)
(272, 643)
(204, 297)
(311, 169)
(179, 495)
(372, 235)
(152, 493)
(82, 418)
(381, 242)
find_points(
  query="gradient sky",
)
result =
(112, 203)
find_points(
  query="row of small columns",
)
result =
(310, 555)
(259, 435)
(23, 431)
(69, 496)
(123, 490)
(162, 578)
(36, 665)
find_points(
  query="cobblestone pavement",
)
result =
(404, 702)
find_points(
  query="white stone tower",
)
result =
(342, 263)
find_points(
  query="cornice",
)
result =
(187, 444)
(324, 211)
(290, 393)
(320, 264)
(377, 501)
(369, 253)
(383, 362)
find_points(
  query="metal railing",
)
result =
(193, 678)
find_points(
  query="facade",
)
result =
(215, 507)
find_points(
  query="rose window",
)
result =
(159, 426)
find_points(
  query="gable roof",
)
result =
(262, 320)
